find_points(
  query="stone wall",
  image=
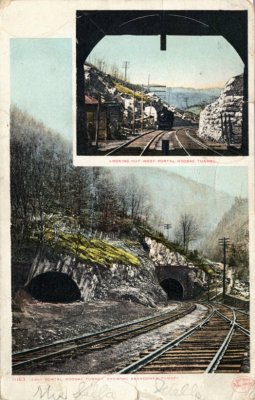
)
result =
(221, 121)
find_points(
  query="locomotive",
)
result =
(165, 119)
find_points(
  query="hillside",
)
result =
(234, 225)
(132, 97)
(85, 220)
(98, 222)
(172, 194)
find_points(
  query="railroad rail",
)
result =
(182, 141)
(194, 140)
(98, 340)
(201, 144)
(215, 293)
(144, 148)
(216, 344)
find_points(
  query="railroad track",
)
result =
(96, 341)
(181, 140)
(217, 344)
(135, 146)
(242, 317)
(187, 148)
(214, 294)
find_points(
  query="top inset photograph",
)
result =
(162, 83)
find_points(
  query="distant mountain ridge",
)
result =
(172, 195)
(234, 225)
(187, 97)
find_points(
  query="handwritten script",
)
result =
(176, 390)
(88, 391)
(49, 394)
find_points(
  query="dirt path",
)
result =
(40, 323)
(71, 320)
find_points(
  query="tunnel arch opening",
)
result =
(54, 287)
(173, 289)
(93, 26)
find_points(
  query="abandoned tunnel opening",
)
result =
(54, 287)
(173, 289)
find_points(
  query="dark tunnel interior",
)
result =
(173, 289)
(54, 287)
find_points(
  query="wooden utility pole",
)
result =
(98, 121)
(224, 243)
(126, 66)
(167, 227)
(208, 287)
(92, 200)
(142, 114)
(133, 112)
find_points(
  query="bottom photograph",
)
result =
(126, 270)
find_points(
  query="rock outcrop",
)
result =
(221, 120)
(110, 269)
(164, 257)
(116, 281)
(161, 255)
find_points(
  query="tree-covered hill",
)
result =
(233, 225)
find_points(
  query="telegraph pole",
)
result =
(92, 201)
(98, 121)
(125, 65)
(208, 287)
(167, 227)
(224, 243)
(142, 114)
(133, 112)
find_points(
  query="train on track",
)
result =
(165, 119)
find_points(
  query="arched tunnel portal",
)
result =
(177, 281)
(54, 287)
(92, 26)
(173, 289)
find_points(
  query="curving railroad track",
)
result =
(217, 344)
(97, 341)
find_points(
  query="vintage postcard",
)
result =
(127, 200)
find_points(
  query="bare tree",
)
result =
(101, 64)
(187, 230)
(107, 202)
(115, 71)
(134, 198)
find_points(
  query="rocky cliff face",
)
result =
(222, 120)
(116, 281)
(133, 277)
(162, 256)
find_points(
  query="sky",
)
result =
(232, 180)
(41, 69)
(41, 81)
(189, 61)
